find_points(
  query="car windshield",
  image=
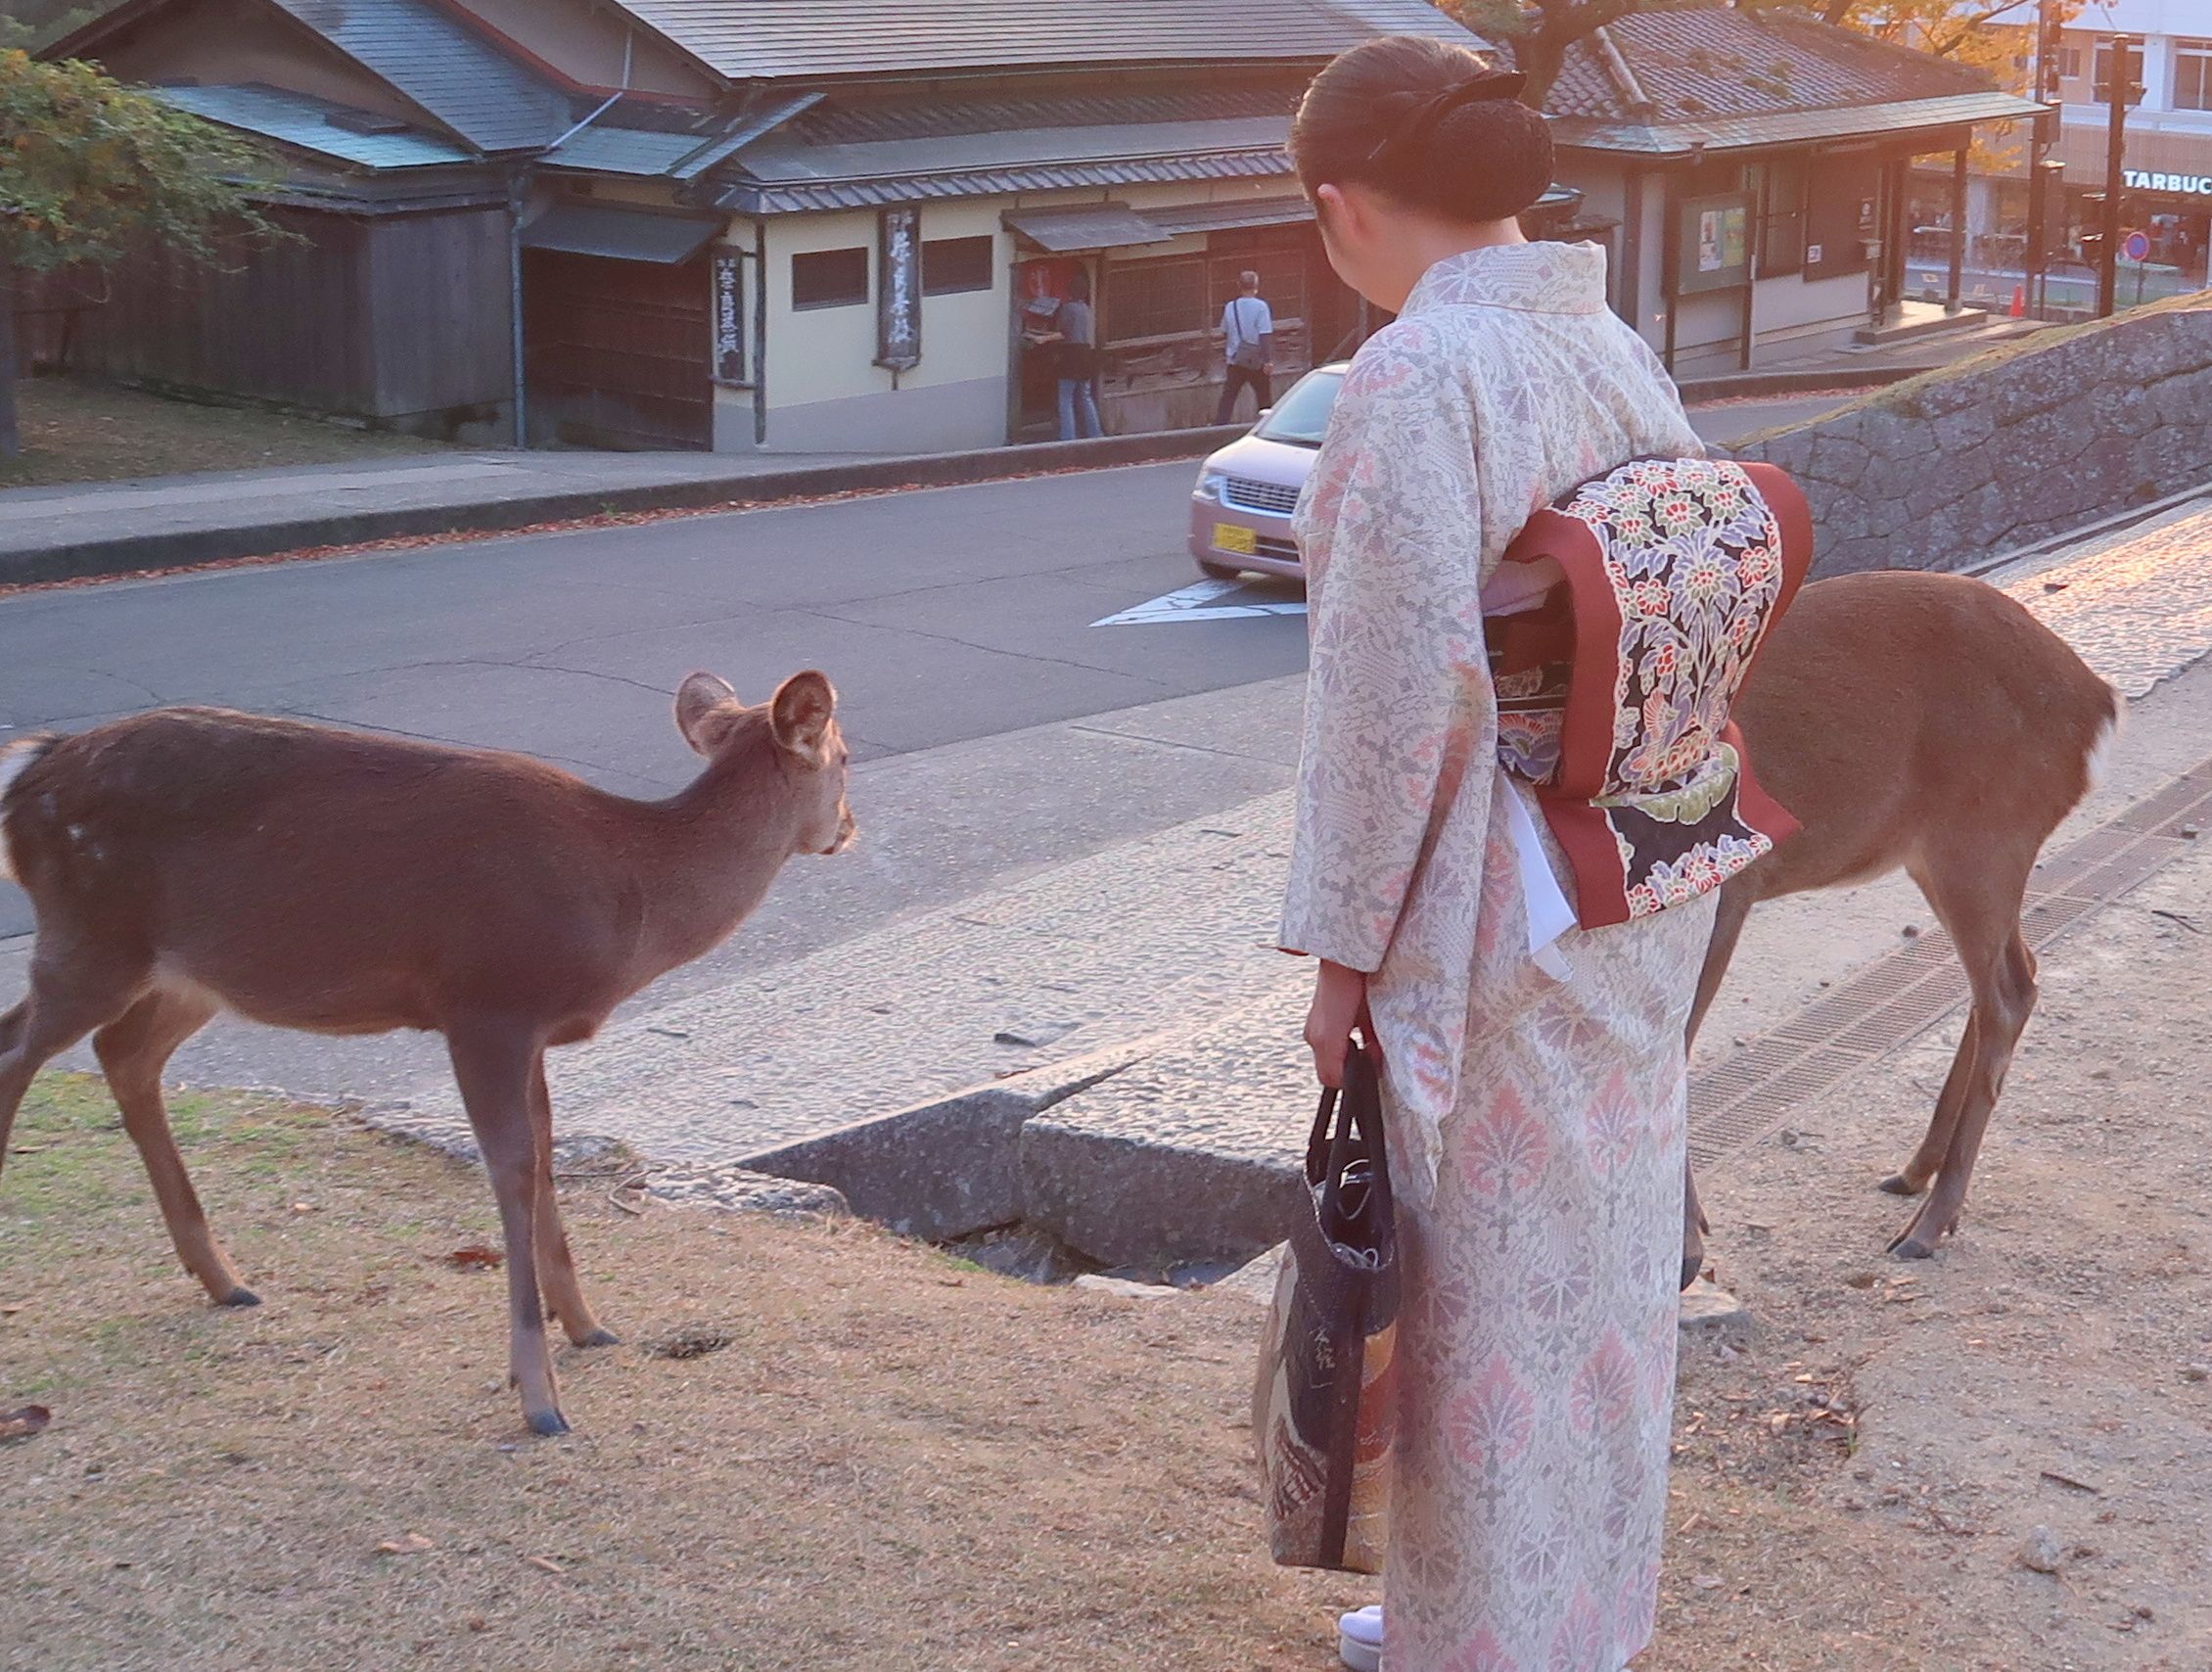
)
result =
(1301, 417)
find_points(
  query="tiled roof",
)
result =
(845, 118)
(746, 39)
(1787, 127)
(753, 197)
(317, 126)
(1703, 63)
(444, 65)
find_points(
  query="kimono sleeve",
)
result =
(1399, 697)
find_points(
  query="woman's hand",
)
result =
(1340, 1006)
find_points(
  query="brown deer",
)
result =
(1925, 723)
(191, 860)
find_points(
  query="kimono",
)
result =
(1536, 1124)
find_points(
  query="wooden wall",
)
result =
(399, 319)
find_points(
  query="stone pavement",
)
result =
(1115, 1043)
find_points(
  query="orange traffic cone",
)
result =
(2019, 308)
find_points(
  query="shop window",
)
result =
(1164, 298)
(951, 266)
(2101, 92)
(2193, 75)
(829, 278)
(1782, 217)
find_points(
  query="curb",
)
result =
(132, 554)
(1740, 386)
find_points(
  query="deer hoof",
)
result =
(601, 1338)
(549, 1422)
(1898, 1185)
(1693, 1265)
(240, 1296)
(1912, 1246)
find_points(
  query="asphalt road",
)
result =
(996, 728)
(957, 623)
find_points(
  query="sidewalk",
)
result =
(1150, 965)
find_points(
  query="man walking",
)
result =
(1249, 330)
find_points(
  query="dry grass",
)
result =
(88, 432)
(894, 1463)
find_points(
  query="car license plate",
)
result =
(1227, 537)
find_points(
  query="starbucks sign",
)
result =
(2187, 185)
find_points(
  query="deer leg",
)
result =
(491, 1062)
(1978, 903)
(564, 1295)
(1913, 1176)
(132, 1051)
(71, 994)
(1728, 928)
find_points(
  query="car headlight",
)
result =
(1212, 485)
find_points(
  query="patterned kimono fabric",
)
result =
(1536, 1126)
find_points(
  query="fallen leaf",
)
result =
(1860, 1281)
(475, 1258)
(413, 1544)
(544, 1565)
(23, 1423)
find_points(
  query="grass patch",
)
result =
(824, 1447)
(89, 432)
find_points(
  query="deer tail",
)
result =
(16, 758)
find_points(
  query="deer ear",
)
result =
(704, 708)
(802, 714)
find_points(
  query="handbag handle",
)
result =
(1329, 1148)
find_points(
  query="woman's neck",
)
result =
(1424, 243)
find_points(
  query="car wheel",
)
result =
(1219, 571)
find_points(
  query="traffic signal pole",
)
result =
(2119, 88)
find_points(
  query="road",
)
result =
(996, 728)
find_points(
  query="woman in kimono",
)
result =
(1533, 1099)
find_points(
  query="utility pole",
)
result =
(2045, 92)
(2119, 90)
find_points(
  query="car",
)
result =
(1240, 510)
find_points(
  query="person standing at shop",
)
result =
(1248, 331)
(1076, 327)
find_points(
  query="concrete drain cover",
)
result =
(1747, 1098)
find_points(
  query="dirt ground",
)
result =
(88, 432)
(891, 1461)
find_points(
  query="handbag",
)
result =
(1324, 1404)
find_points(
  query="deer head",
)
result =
(800, 722)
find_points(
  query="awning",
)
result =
(1090, 226)
(1226, 217)
(625, 234)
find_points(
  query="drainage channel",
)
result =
(1751, 1094)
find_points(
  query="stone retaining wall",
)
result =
(2029, 440)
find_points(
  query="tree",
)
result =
(1988, 34)
(91, 170)
(1542, 32)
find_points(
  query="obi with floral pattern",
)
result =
(1614, 694)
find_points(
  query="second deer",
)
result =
(191, 860)
(1927, 723)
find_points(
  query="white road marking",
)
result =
(1208, 601)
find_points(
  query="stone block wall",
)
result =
(2029, 440)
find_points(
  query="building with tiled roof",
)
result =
(830, 224)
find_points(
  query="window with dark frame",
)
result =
(829, 278)
(952, 265)
(2100, 92)
(2193, 75)
(1164, 298)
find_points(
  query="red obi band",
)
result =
(1614, 695)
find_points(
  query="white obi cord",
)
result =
(1513, 588)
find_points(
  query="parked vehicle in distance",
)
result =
(1240, 510)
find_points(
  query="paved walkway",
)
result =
(1168, 939)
